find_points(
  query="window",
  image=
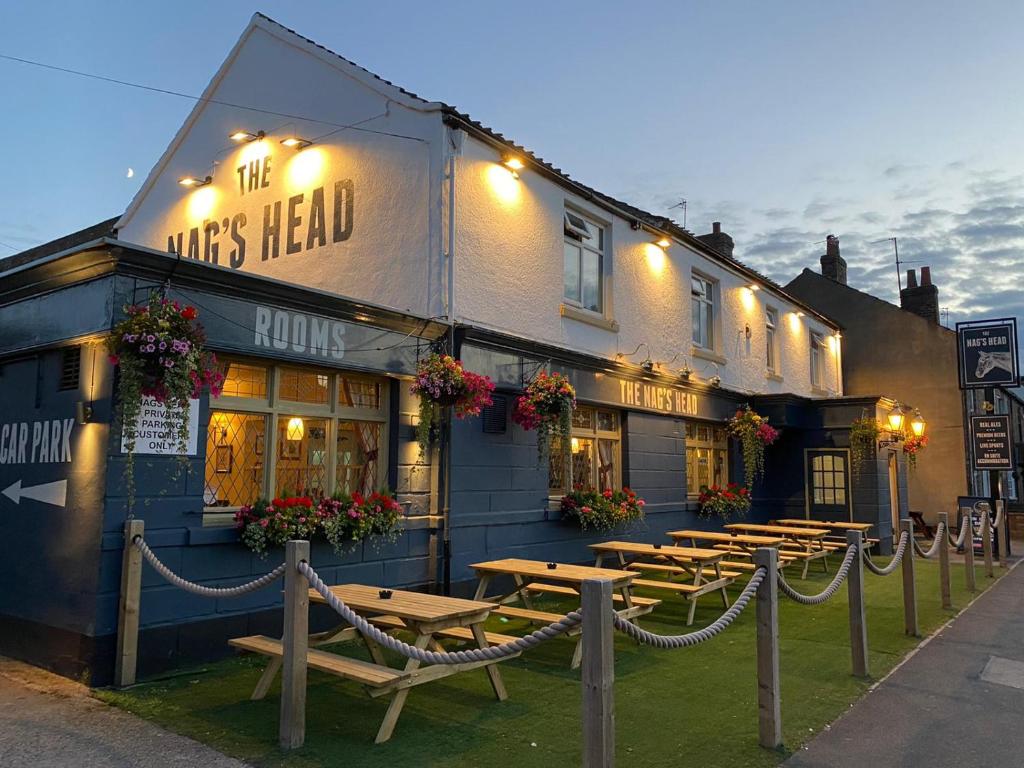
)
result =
(771, 324)
(584, 251)
(703, 298)
(594, 461)
(817, 344)
(828, 480)
(297, 430)
(707, 456)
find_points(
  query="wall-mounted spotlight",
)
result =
(664, 243)
(296, 142)
(246, 136)
(647, 365)
(514, 163)
(193, 182)
(798, 313)
(715, 381)
(754, 287)
(83, 412)
(685, 373)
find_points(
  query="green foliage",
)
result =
(864, 434)
(602, 511)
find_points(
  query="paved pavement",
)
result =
(47, 721)
(959, 701)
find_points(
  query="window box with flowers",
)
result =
(727, 502)
(604, 510)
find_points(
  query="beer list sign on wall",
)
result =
(292, 224)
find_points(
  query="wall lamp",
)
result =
(754, 287)
(246, 136)
(917, 423)
(296, 142)
(663, 242)
(514, 163)
(194, 183)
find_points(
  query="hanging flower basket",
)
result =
(731, 501)
(547, 406)
(158, 351)
(342, 520)
(442, 382)
(602, 511)
(912, 446)
(864, 434)
(754, 433)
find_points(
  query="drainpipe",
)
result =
(445, 453)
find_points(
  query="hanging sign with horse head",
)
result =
(988, 353)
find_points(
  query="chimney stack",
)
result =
(833, 266)
(718, 239)
(921, 299)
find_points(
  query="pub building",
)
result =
(326, 254)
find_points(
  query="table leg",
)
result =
(481, 588)
(387, 727)
(523, 594)
(492, 669)
(375, 652)
(577, 654)
(693, 600)
(267, 678)
(599, 559)
(622, 559)
(718, 575)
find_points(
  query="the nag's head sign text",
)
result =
(988, 353)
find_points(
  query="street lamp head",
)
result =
(917, 423)
(895, 418)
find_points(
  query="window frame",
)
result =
(771, 331)
(816, 360)
(708, 303)
(274, 407)
(713, 446)
(593, 435)
(599, 246)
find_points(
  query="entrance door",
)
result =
(894, 490)
(828, 484)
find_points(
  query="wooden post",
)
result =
(909, 588)
(986, 541)
(598, 675)
(858, 620)
(944, 590)
(1003, 535)
(295, 642)
(769, 708)
(128, 607)
(969, 552)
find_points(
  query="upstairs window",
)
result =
(702, 291)
(817, 345)
(771, 324)
(584, 262)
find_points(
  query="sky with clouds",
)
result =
(786, 121)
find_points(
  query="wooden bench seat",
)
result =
(529, 614)
(364, 672)
(709, 571)
(740, 552)
(556, 589)
(681, 588)
(455, 633)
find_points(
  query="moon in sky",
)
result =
(131, 172)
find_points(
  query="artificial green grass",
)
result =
(688, 707)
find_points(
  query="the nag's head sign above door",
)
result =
(988, 353)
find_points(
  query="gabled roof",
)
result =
(454, 116)
(95, 232)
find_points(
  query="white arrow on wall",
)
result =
(49, 493)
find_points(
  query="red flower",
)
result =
(189, 313)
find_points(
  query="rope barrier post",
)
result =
(295, 642)
(855, 593)
(909, 587)
(128, 606)
(944, 588)
(986, 541)
(769, 708)
(968, 538)
(598, 674)
(1003, 534)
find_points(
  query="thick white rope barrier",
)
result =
(829, 591)
(901, 549)
(491, 653)
(199, 589)
(957, 543)
(938, 541)
(701, 635)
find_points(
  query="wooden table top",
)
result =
(640, 548)
(782, 530)
(839, 526)
(416, 606)
(763, 541)
(537, 569)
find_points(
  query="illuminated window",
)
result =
(702, 292)
(584, 258)
(817, 345)
(309, 442)
(594, 456)
(707, 456)
(771, 324)
(828, 480)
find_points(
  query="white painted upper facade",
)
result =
(366, 212)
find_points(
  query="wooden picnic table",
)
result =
(430, 618)
(807, 543)
(833, 525)
(689, 561)
(535, 576)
